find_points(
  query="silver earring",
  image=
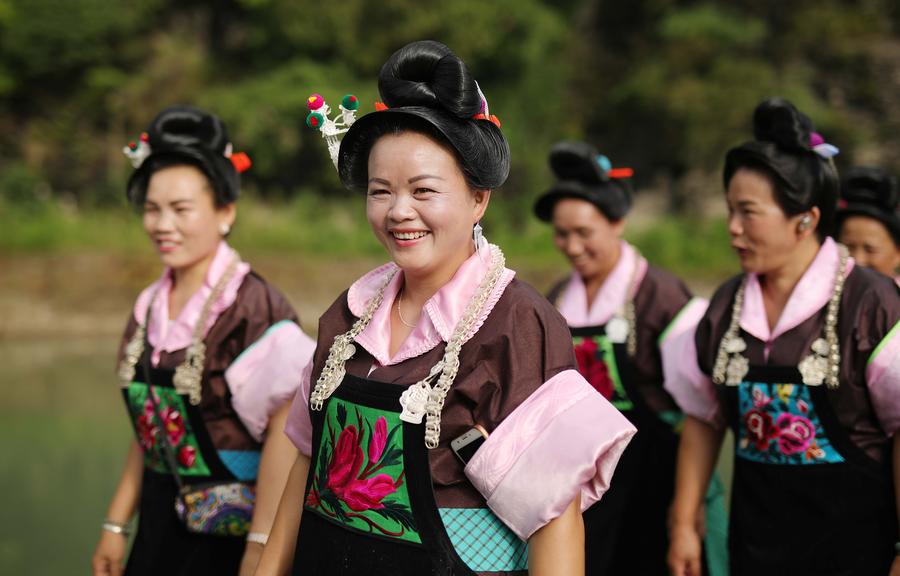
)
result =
(478, 237)
(805, 222)
(224, 229)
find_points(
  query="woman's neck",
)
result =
(778, 284)
(418, 289)
(186, 281)
(593, 283)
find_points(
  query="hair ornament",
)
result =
(819, 146)
(380, 106)
(610, 172)
(484, 112)
(138, 151)
(332, 129)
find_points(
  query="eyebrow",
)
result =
(423, 177)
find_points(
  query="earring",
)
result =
(224, 229)
(478, 237)
(805, 222)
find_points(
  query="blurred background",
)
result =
(663, 86)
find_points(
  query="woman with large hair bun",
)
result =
(800, 357)
(442, 425)
(867, 219)
(624, 315)
(210, 357)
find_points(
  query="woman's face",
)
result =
(181, 218)
(586, 237)
(420, 206)
(870, 244)
(763, 236)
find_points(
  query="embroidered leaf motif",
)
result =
(342, 415)
(399, 513)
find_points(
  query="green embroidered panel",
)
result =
(359, 472)
(597, 363)
(181, 436)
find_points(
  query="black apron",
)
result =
(369, 506)
(626, 531)
(162, 545)
(805, 498)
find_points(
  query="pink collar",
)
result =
(440, 315)
(572, 302)
(810, 295)
(175, 335)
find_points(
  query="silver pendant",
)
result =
(617, 330)
(813, 369)
(413, 401)
(737, 368)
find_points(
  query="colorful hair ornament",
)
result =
(492, 119)
(611, 172)
(822, 148)
(332, 129)
(380, 106)
(138, 151)
(485, 110)
(241, 162)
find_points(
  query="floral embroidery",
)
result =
(597, 363)
(363, 489)
(177, 430)
(779, 426)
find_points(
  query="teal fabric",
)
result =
(716, 540)
(242, 463)
(483, 542)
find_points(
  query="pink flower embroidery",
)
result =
(795, 433)
(187, 456)
(379, 438)
(594, 370)
(174, 425)
(367, 494)
(345, 461)
(146, 428)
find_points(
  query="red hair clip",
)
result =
(241, 162)
(620, 173)
(492, 119)
(380, 106)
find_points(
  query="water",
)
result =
(63, 436)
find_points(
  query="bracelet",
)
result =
(258, 537)
(116, 527)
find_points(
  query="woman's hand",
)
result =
(685, 549)
(109, 557)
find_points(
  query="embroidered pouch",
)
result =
(222, 509)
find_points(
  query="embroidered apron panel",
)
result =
(597, 363)
(483, 541)
(779, 425)
(173, 412)
(358, 479)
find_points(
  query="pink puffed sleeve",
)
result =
(883, 380)
(299, 427)
(267, 374)
(692, 390)
(565, 439)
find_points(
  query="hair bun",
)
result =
(873, 186)
(577, 161)
(778, 121)
(427, 73)
(187, 127)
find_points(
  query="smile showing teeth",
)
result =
(409, 235)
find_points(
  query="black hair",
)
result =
(801, 178)
(428, 89)
(583, 173)
(183, 135)
(873, 193)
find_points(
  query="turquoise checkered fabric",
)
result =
(242, 463)
(483, 542)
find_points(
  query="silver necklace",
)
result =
(400, 312)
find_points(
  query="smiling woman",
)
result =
(211, 355)
(427, 356)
